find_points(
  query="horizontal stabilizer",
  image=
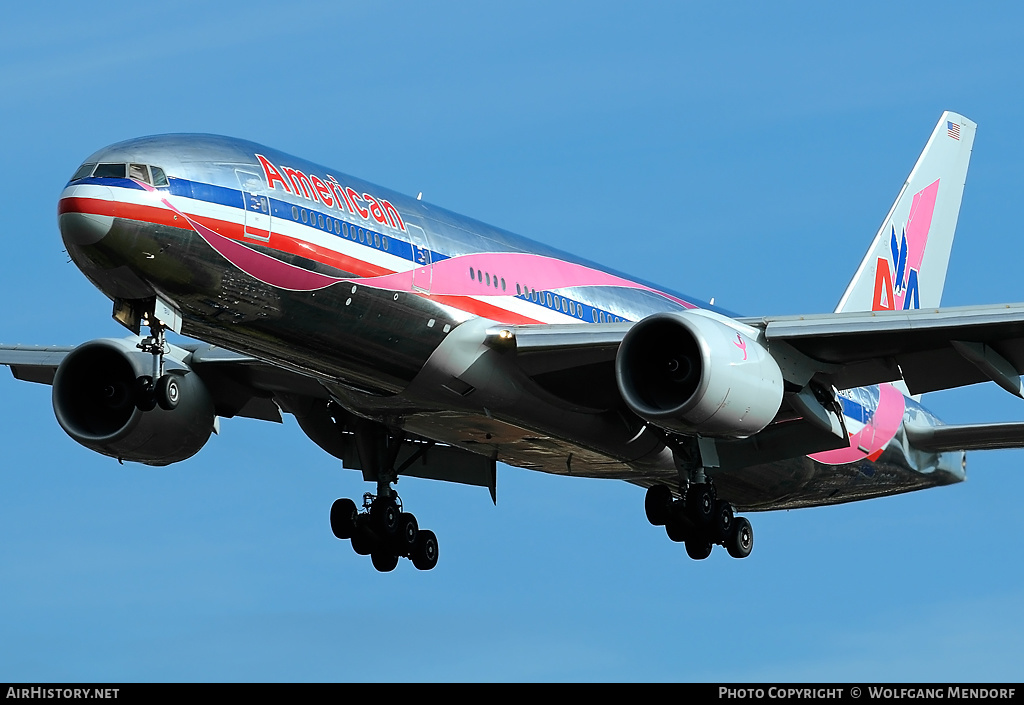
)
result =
(982, 436)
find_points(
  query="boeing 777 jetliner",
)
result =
(408, 340)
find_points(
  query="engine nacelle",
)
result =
(695, 373)
(94, 402)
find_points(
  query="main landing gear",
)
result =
(384, 532)
(699, 520)
(159, 388)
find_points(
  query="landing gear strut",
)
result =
(699, 520)
(159, 388)
(382, 529)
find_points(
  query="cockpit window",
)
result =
(83, 171)
(139, 172)
(110, 171)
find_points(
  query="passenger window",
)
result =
(519, 290)
(472, 274)
(495, 281)
(320, 221)
(503, 283)
(488, 275)
(159, 178)
(139, 172)
(305, 215)
(384, 241)
(83, 171)
(548, 297)
(110, 171)
(360, 230)
(376, 240)
(295, 212)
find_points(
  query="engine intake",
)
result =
(695, 373)
(94, 402)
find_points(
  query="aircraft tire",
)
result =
(698, 547)
(723, 521)
(167, 392)
(677, 531)
(145, 400)
(700, 504)
(384, 515)
(424, 556)
(384, 561)
(404, 540)
(658, 504)
(343, 518)
(741, 541)
(363, 542)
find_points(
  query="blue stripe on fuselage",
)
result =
(233, 198)
(855, 411)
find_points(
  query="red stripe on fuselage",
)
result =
(281, 243)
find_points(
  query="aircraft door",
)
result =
(421, 275)
(257, 206)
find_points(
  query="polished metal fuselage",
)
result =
(377, 347)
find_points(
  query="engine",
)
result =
(94, 400)
(694, 373)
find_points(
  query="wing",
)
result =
(245, 386)
(240, 385)
(930, 350)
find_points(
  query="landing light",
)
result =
(501, 337)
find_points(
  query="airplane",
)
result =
(407, 340)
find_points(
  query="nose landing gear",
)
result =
(159, 388)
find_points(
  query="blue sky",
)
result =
(746, 153)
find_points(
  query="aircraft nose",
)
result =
(79, 226)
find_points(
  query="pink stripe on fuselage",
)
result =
(875, 435)
(451, 277)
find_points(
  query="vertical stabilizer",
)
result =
(905, 267)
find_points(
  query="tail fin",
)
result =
(905, 267)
